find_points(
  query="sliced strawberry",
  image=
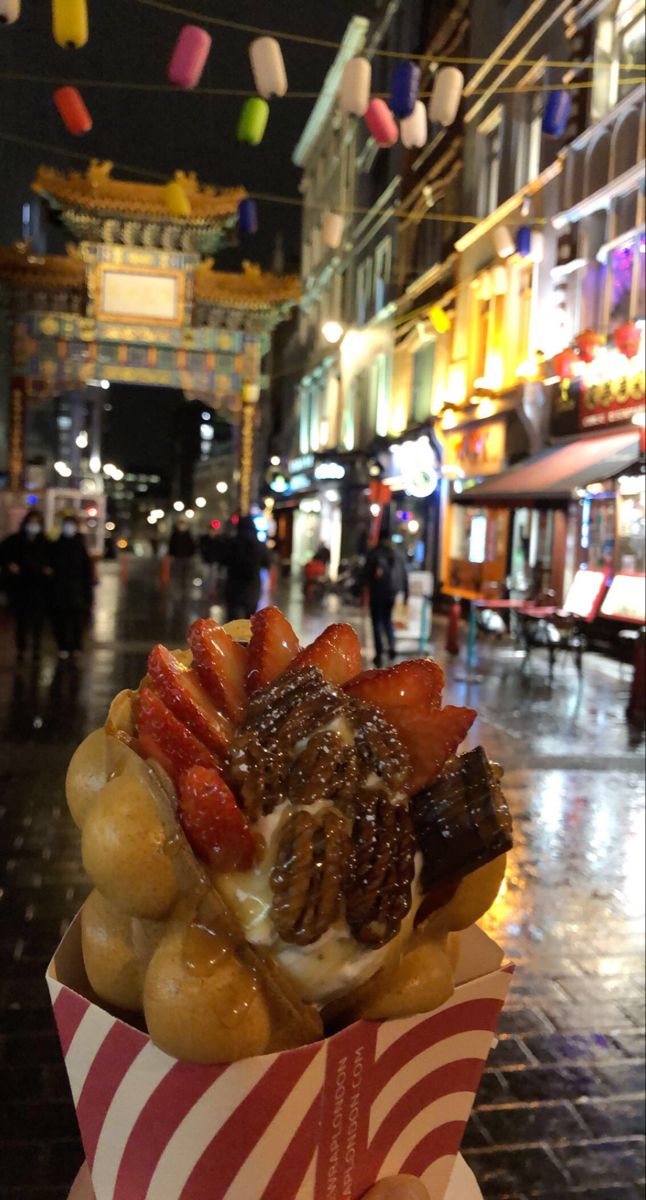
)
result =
(416, 684)
(272, 648)
(182, 692)
(163, 737)
(431, 737)
(221, 665)
(214, 825)
(336, 653)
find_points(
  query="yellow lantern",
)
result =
(70, 24)
(439, 319)
(177, 201)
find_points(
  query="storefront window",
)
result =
(631, 524)
(477, 558)
(423, 366)
(598, 531)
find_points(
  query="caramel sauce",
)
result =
(209, 941)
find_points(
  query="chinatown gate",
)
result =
(136, 300)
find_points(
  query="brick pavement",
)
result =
(560, 1112)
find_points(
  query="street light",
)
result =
(178, 506)
(95, 464)
(82, 440)
(222, 488)
(62, 469)
(200, 502)
(275, 460)
(332, 332)
(189, 513)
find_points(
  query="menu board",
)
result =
(584, 595)
(625, 599)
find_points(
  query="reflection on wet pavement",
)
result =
(560, 1110)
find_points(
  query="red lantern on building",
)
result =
(589, 343)
(628, 339)
(565, 363)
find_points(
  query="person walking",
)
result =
(25, 561)
(181, 550)
(71, 588)
(386, 577)
(244, 558)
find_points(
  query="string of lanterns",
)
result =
(589, 343)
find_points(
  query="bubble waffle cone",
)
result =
(267, 993)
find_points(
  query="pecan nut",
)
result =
(306, 879)
(380, 750)
(327, 769)
(379, 875)
(257, 773)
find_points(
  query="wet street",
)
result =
(560, 1112)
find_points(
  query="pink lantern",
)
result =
(381, 123)
(191, 51)
(628, 339)
(589, 343)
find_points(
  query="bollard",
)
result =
(453, 630)
(164, 577)
(636, 711)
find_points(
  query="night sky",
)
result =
(163, 131)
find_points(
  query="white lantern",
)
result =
(9, 11)
(503, 241)
(270, 76)
(414, 129)
(537, 246)
(354, 96)
(333, 226)
(447, 93)
(499, 281)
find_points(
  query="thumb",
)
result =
(403, 1187)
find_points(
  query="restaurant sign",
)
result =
(590, 402)
(477, 451)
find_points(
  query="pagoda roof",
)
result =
(95, 191)
(52, 272)
(251, 289)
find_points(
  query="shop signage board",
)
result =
(593, 403)
(477, 451)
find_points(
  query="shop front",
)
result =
(315, 500)
(411, 473)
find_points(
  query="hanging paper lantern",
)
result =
(447, 93)
(188, 61)
(524, 241)
(589, 343)
(565, 363)
(405, 89)
(9, 11)
(247, 217)
(268, 67)
(177, 201)
(382, 124)
(503, 241)
(439, 319)
(354, 94)
(414, 129)
(557, 113)
(70, 24)
(333, 226)
(628, 339)
(72, 110)
(253, 121)
(499, 281)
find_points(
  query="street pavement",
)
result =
(560, 1112)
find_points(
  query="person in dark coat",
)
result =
(386, 577)
(181, 550)
(25, 560)
(71, 587)
(244, 557)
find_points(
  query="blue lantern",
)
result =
(405, 89)
(524, 241)
(557, 113)
(247, 217)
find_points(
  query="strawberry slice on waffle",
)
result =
(272, 648)
(163, 737)
(336, 653)
(221, 665)
(182, 692)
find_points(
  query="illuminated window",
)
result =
(619, 45)
(488, 151)
(423, 367)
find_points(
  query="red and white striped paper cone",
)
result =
(319, 1123)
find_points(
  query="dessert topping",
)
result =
(379, 875)
(306, 879)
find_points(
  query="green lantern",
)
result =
(253, 121)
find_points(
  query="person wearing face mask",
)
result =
(24, 557)
(71, 587)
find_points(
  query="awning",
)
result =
(552, 476)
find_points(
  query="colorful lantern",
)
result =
(333, 226)
(381, 123)
(414, 129)
(557, 113)
(247, 217)
(565, 363)
(177, 201)
(589, 343)
(268, 67)
(72, 110)
(70, 24)
(440, 321)
(354, 94)
(503, 241)
(9, 11)
(192, 49)
(447, 93)
(524, 241)
(628, 339)
(253, 121)
(405, 89)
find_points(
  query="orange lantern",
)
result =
(628, 339)
(72, 110)
(589, 343)
(565, 363)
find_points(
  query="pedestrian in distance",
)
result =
(386, 577)
(181, 550)
(73, 579)
(26, 569)
(244, 558)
